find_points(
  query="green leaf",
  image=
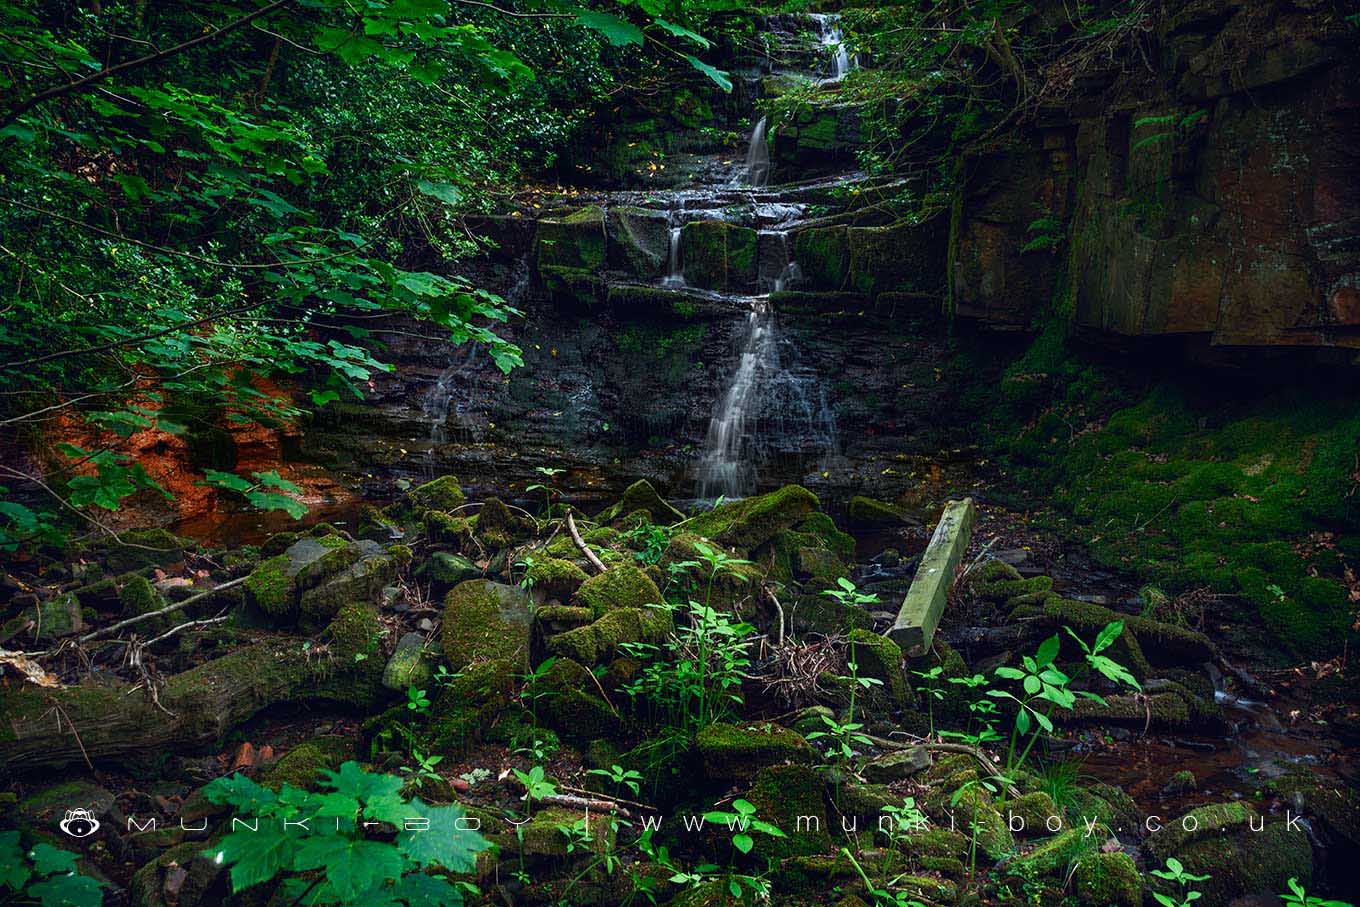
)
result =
(227, 480)
(272, 479)
(269, 500)
(681, 32)
(70, 890)
(444, 844)
(14, 871)
(1048, 650)
(718, 77)
(254, 858)
(743, 843)
(615, 30)
(445, 192)
(48, 860)
(1107, 636)
(352, 866)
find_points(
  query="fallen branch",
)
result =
(169, 609)
(940, 747)
(599, 796)
(581, 544)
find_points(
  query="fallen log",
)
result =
(925, 600)
(98, 722)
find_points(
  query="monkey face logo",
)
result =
(79, 823)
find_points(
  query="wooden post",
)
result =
(914, 629)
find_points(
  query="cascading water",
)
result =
(833, 41)
(757, 173)
(725, 468)
(675, 277)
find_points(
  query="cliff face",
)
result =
(1211, 192)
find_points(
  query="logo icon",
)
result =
(79, 823)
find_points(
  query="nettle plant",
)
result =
(359, 841)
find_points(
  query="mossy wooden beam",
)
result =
(920, 613)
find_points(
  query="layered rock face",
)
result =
(1210, 193)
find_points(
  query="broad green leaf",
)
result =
(615, 30)
(445, 192)
(353, 866)
(48, 860)
(1048, 650)
(255, 857)
(67, 890)
(227, 480)
(444, 844)
(681, 32)
(718, 77)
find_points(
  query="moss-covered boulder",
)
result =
(302, 766)
(48, 620)
(827, 616)
(1163, 644)
(600, 640)
(138, 597)
(409, 665)
(879, 658)
(717, 255)
(793, 799)
(753, 521)
(443, 494)
(485, 620)
(448, 569)
(896, 766)
(736, 752)
(465, 708)
(823, 255)
(575, 240)
(500, 527)
(137, 548)
(622, 586)
(901, 257)
(641, 496)
(360, 582)
(1242, 852)
(1055, 854)
(1108, 879)
(553, 578)
(270, 589)
(449, 529)
(566, 698)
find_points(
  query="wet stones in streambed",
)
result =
(314, 578)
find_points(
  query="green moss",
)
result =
(138, 596)
(566, 699)
(623, 586)
(600, 640)
(1204, 821)
(825, 615)
(1033, 809)
(822, 254)
(880, 658)
(443, 494)
(447, 529)
(792, 798)
(137, 548)
(356, 630)
(641, 496)
(750, 522)
(303, 764)
(486, 620)
(1054, 855)
(1109, 880)
(575, 241)
(498, 526)
(822, 528)
(554, 577)
(717, 255)
(448, 569)
(868, 513)
(271, 590)
(465, 708)
(736, 752)
(901, 257)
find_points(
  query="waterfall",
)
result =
(674, 276)
(758, 157)
(725, 467)
(833, 42)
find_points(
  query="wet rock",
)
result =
(576, 240)
(606, 636)
(553, 578)
(1183, 782)
(483, 619)
(443, 494)
(717, 255)
(639, 241)
(567, 699)
(871, 514)
(409, 664)
(47, 621)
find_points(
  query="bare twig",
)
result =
(170, 609)
(581, 544)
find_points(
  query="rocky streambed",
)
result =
(570, 684)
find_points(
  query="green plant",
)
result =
(1176, 872)
(423, 770)
(1298, 897)
(649, 540)
(1045, 235)
(551, 494)
(45, 875)
(930, 691)
(843, 737)
(537, 784)
(883, 897)
(741, 823)
(620, 777)
(1103, 664)
(416, 700)
(345, 851)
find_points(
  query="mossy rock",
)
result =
(1239, 861)
(820, 530)
(361, 582)
(1108, 880)
(554, 578)
(827, 616)
(303, 764)
(896, 765)
(1028, 813)
(138, 596)
(751, 522)
(448, 529)
(1163, 644)
(1174, 708)
(641, 496)
(870, 514)
(623, 586)
(498, 526)
(639, 241)
(736, 752)
(717, 255)
(410, 664)
(581, 286)
(443, 494)
(465, 708)
(793, 799)
(577, 240)
(270, 589)
(138, 548)
(823, 255)
(879, 658)
(902, 257)
(49, 620)
(1054, 855)
(448, 569)
(566, 697)
(607, 635)
(485, 620)
(975, 805)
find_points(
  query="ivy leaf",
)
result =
(615, 30)
(718, 77)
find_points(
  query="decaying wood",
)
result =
(581, 543)
(169, 609)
